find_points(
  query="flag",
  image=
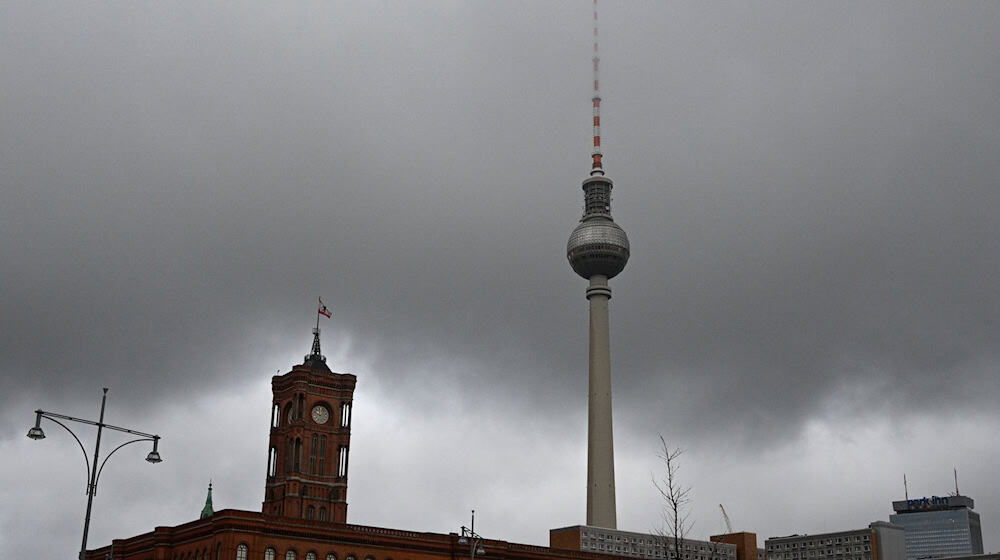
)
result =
(323, 310)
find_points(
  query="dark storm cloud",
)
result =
(810, 192)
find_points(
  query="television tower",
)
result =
(598, 250)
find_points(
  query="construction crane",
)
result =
(729, 525)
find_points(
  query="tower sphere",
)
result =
(597, 246)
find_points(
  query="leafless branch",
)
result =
(676, 499)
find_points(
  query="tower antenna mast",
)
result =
(597, 167)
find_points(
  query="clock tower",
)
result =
(310, 441)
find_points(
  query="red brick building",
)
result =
(304, 511)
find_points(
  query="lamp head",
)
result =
(154, 455)
(37, 432)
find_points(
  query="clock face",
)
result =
(320, 414)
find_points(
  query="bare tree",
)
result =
(676, 498)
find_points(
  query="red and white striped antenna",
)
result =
(596, 168)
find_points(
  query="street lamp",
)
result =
(93, 471)
(473, 539)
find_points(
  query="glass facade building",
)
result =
(939, 527)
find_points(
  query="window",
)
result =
(322, 513)
(298, 414)
(310, 555)
(342, 462)
(331, 556)
(290, 555)
(322, 454)
(345, 415)
(310, 514)
(275, 415)
(272, 459)
(297, 457)
(270, 553)
(313, 448)
(241, 552)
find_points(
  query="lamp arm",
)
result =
(108, 456)
(78, 442)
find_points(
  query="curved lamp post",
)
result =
(473, 539)
(93, 470)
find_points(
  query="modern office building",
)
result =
(636, 545)
(939, 527)
(878, 541)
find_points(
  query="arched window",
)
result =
(331, 556)
(322, 454)
(218, 551)
(322, 513)
(276, 415)
(270, 553)
(342, 461)
(272, 460)
(297, 459)
(289, 454)
(345, 415)
(290, 555)
(313, 450)
(310, 512)
(241, 552)
(310, 555)
(298, 414)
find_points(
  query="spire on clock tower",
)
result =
(316, 354)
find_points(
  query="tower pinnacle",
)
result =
(207, 511)
(316, 354)
(596, 166)
(598, 250)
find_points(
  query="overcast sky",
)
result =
(811, 308)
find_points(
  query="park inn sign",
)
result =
(934, 503)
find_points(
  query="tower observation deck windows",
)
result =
(597, 199)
